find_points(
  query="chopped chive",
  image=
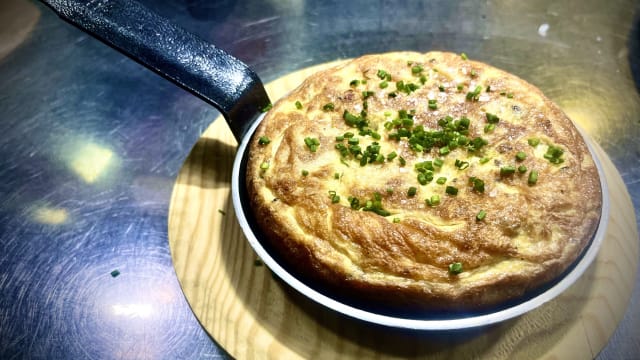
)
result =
(263, 140)
(433, 105)
(392, 155)
(441, 88)
(267, 107)
(481, 215)
(336, 176)
(412, 191)
(475, 94)
(533, 141)
(403, 162)
(459, 87)
(461, 164)
(451, 190)
(383, 84)
(507, 170)
(312, 143)
(509, 95)
(354, 83)
(492, 118)
(423, 79)
(441, 180)
(489, 128)
(305, 172)
(533, 177)
(438, 162)
(478, 184)
(328, 107)
(488, 88)
(416, 69)
(383, 75)
(464, 56)
(434, 200)
(474, 73)
(455, 268)
(554, 154)
(367, 93)
(298, 105)
(396, 220)
(521, 155)
(264, 165)
(425, 177)
(522, 169)
(484, 160)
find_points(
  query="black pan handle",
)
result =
(194, 64)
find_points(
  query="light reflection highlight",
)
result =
(50, 216)
(90, 161)
(133, 310)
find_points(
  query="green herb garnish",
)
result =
(554, 154)
(478, 184)
(434, 200)
(455, 268)
(267, 107)
(533, 177)
(312, 143)
(507, 170)
(475, 94)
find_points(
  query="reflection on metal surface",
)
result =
(90, 160)
(50, 215)
(542, 30)
(133, 310)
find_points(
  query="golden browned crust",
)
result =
(397, 251)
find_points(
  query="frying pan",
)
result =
(238, 93)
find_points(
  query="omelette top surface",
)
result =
(425, 181)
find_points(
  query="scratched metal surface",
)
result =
(91, 142)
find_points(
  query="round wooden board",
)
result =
(251, 314)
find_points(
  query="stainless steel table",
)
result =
(91, 142)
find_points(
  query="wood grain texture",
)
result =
(251, 314)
